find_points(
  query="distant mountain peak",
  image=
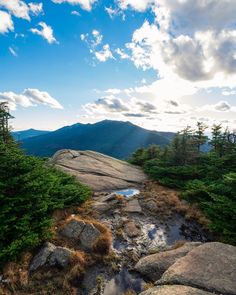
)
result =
(115, 138)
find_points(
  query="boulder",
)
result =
(131, 229)
(153, 266)
(211, 267)
(60, 257)
(85, 233)
(174, 290)
(52, 256)
(88, 236)
(73, 229)
(133, 206)
(100, 172)
(42, 257)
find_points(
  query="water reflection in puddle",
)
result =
(130, 192)
(123, 282)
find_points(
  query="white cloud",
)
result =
(221, 106)
(46, 32)
(97, 38)
(95, 44)
(104, 54)
(138, 5)
(16, 7)
(13, 51)
(228, 92)
(85, 4)
(36, 8)
(29, 97)
(122, 54)
(6, 23)
(75, 12)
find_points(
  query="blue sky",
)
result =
(160, 64)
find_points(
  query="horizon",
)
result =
(159, 64)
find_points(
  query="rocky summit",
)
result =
(132, 237)
(98, 171)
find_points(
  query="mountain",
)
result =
(113, 138)
(20, 135)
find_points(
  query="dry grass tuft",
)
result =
(169, 202)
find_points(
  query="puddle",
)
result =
(123, 282)
(130, 192)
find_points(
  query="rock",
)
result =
(42, 257)
(88, 236)
(100, 172)
(51, 255)
(73, 229)
(133, 206)
(60, 257)
(107, 198)
(101, 207)
(131, 229)
(153, 266)
(84, 232)
(174, 290)
(151, 205)
(211, 266)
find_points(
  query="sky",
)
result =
(160, 64)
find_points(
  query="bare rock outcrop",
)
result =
(153, 266)
(175, 290)
(98, 171)
(210, 267)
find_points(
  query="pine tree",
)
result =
(4, 122)
(199, 136)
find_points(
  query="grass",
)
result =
(168, 202)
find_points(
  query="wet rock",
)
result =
(98, 171)
(42, 257)
(133, 206)
(88, 236)
(175, 290)
(123, 282)
(153, 266)
(211, 266)
(131, 229)
(60, 257)
(73, 229)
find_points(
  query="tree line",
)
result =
(203, 168)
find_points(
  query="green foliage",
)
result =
(208, 179)
(29, 192)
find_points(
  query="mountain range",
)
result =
(114, 138)
(20, 135)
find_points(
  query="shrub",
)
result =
(29, 192)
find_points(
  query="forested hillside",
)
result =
(29, 192)
(114, 138)
(208, 179)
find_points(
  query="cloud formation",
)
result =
(20, 9)
(6, 23)
(94, 42)
(46, 32)
(85, 4)
(29, 97)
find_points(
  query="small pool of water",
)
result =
(130, 192)
(123, 282)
